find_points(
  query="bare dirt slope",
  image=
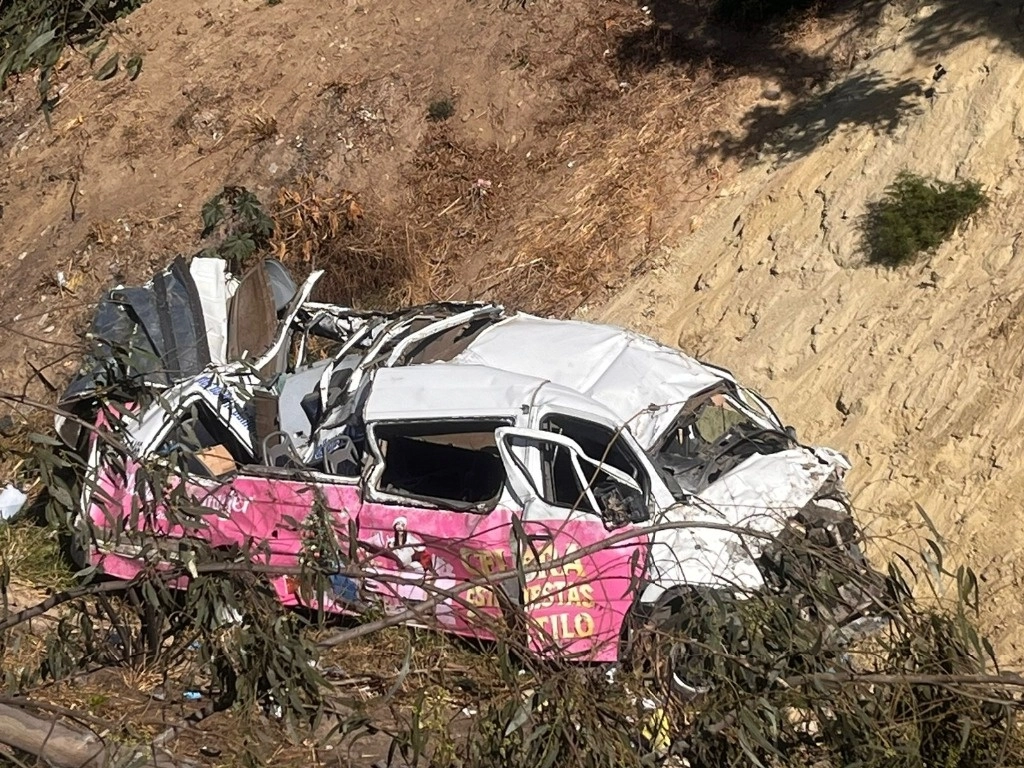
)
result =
(917, 372)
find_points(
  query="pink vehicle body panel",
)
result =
(575, 607)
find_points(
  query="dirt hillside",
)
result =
(915, 372)
(568, 129)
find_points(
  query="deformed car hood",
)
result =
(758, 496)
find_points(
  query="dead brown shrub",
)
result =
(259, 125)
(368, 261)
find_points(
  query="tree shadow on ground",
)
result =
(787, 132)
(697, 33)
(952, 22)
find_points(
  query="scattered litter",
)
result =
(656, 733)
(334, 673)
(11, 501)
(114, 639)
(226, 615)
(192, 695)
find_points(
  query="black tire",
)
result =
(663, 644)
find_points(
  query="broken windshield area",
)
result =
(716, 432)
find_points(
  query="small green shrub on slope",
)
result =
(915, 215)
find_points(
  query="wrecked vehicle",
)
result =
(468, 459)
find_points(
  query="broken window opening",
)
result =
(713, 435)
(204, 442)
(566, 482)
(452, 464)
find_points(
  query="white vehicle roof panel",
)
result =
(621, 370)
(446, 391)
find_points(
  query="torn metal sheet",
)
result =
(284, 328)
(209, 276)
(154, 334)
(760, 496)
(252, 319)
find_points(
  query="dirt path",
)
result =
(916, 372)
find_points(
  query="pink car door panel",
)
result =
(575, 603)
(431, 519)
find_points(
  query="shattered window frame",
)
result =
(617, 444)
(374, 486)
(749, 409)
(194, 408)
(592, 493)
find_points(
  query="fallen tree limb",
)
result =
(64, 747)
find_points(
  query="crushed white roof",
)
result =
(621, 370)
(446, 391)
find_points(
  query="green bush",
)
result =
(34, 33)
(235, 219)
(915, 215)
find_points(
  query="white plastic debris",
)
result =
(211, 284)
(11, 502)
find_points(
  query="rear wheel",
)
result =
(666, 644)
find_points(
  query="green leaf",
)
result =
(95, 52)
(62, 495)
(928, 521)
(213, 214)
(238, 247)
(109, 68)
(39, 42)
(133, 66)
(86, 573)
(37, 437)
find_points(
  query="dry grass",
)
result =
(16, 426)
(550, 229)
(544, 229)
(606, 215)
(585, 215)
(369, 259)
(33, 554)
(306, 221)
(258, 125)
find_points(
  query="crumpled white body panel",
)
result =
(211, 283)
(760, 495)
(623, 371)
